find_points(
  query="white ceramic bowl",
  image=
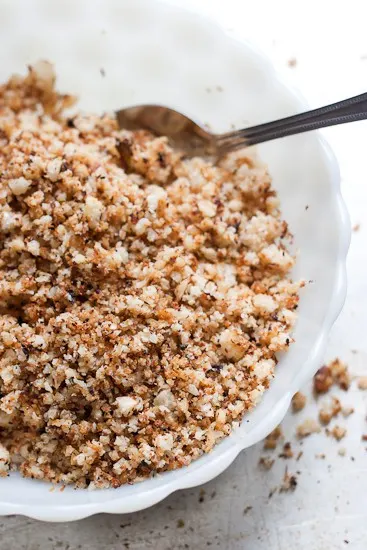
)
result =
(152, 52)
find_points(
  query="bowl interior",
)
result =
(150, 52)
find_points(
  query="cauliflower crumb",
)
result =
(126, 404)
(93, 210)
(164, 442)
(4, 461)
(165, 398)
(233, 344)
(53, 169)
(144, 295)
(308, 427)
(19, 186)
(362, 383)
(34, 248)
(337, 432)
(273, 438)
(264, 303)
(298, 402)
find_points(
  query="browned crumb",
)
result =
(247, 510)
(325, 416)
(362, 383)
(292, 62)
(340, 374)
(272, 439)
(287, 451)
(329, 411)
(322, 456)
(356, 227)
(347, 411)
(144, 296)
(308, 427)
(180, 523)
(266, 462)
(364, 437)
(4, 461)
(342, 451)
(289, 482)
(337, 432)
(322, 380)
(299, 455)
(298, 402)
(336, 372)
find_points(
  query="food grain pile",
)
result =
(143, 296)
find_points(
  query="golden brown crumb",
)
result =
(266, 462)
(287, 451)
(308, 427)
(325, 416)
(362, 383)
(329, 411)
(289, 482)
(292, 62)
(144, 296)
(322, 380)
(272, 439)
(340, 374)
(364, 437)
(347, 411)
(298, 402)
(4, 461)
(336, 372)
(337, 432)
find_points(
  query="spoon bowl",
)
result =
(185, 134)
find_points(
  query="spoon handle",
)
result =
(348, 110)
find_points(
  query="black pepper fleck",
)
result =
(217, 366)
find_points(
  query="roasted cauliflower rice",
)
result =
(143, 295)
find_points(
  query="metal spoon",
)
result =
(194, 140)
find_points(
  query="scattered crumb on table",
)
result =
(337, 432)
(289, 482)
(272, 439)
(308, 427)
(299, 401)
(362, 383)
(266, 462)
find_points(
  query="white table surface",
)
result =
(327, 511)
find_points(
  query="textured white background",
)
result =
(328, 509)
